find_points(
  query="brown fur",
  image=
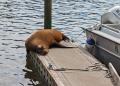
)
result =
(42, 40)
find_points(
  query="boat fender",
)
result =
(90, 42)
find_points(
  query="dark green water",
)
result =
(18, 18)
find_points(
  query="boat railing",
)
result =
(112, 27)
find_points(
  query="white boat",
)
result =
(103, 40)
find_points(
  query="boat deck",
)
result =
(74, 67)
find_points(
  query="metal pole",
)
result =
(47, 14)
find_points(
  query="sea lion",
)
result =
(41, 40)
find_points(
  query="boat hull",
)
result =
(105, 49)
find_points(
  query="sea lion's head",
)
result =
(42, 50)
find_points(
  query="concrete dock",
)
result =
(70, 67)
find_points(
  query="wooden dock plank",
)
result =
(75, 67)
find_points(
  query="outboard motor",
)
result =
(112, 16)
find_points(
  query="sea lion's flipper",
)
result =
(64, 44)
(65, 38)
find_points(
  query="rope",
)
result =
(95, 67)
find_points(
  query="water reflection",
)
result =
(31, 74)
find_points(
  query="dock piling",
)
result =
(47, 14)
